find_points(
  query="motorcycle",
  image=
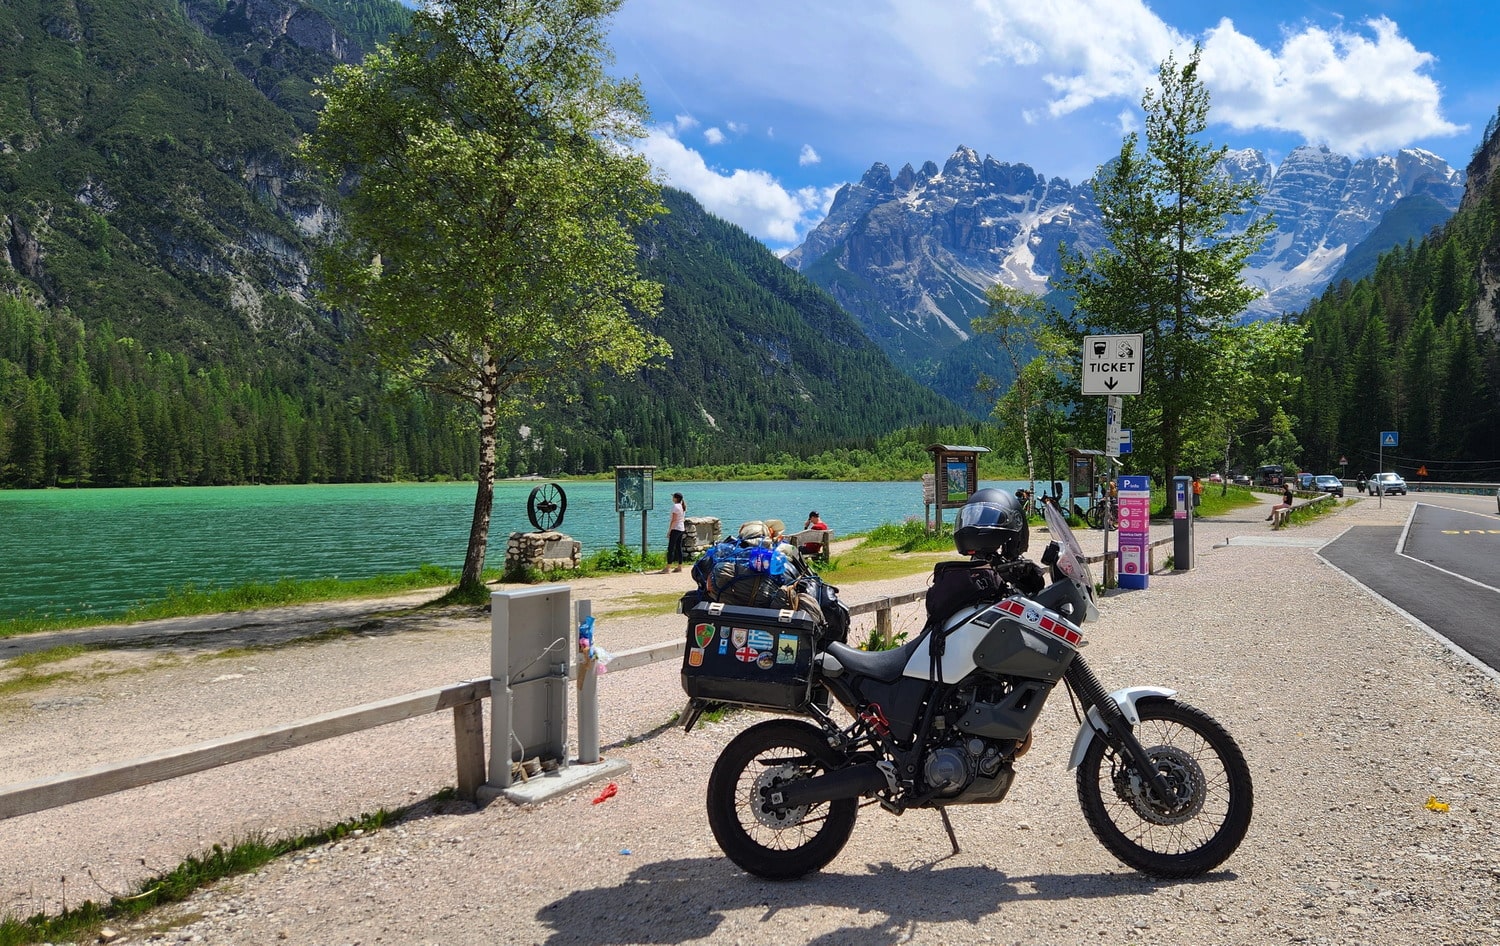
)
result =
(943, 719)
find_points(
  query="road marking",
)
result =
(1454, 648)
(1401, 549)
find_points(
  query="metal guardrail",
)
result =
(465, 699)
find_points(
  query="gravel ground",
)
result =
(1351, 718)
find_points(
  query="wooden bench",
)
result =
(823, 538)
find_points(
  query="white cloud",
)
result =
(751, 199)
(1089, 50)
(739, 128)
(1357, 92)
(713, 136)
(808, 156)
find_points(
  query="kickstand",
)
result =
(948, 827)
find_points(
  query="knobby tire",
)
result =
(1163, 843)
(799, 846)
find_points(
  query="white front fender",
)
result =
(1126, 700)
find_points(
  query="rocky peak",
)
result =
(877, 178)
(924, 247)
(1482, 168)
(906, 179)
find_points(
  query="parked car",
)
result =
(1240, 479)
(1386, 484)
(1305, 481)
(1215, 477)
(1329, 484)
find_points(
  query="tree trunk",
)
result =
(484, 495)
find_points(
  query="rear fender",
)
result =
(1126, 700)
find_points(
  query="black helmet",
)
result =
(991, 521)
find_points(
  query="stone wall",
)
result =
(543, 550)
(702, 531)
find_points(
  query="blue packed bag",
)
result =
(748, 572)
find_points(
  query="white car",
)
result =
(1386, 484)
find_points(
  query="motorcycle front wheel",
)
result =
(776, 843)
(1206, 819)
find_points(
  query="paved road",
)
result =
(1442, 568)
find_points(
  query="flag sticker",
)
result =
(747, 654)
(761, 640)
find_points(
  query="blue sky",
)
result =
(763, 109)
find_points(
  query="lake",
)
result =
(100, 551)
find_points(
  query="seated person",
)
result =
(813, 522)
(1280, 510)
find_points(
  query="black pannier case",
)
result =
(753, 656)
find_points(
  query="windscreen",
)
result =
(1070, 559)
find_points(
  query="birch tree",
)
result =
(487, 236)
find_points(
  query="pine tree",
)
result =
(1170, 272)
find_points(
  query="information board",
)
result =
(1135, 530)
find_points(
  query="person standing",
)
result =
(676, 532)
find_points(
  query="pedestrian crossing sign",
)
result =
(1390, 438)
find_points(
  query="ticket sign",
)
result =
(1135, 531)
(1112, 364)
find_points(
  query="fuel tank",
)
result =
(1014, 637)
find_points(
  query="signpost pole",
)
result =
(1387, 438)
(1111, 367)
(1379, 468)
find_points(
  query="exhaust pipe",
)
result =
(864, 779)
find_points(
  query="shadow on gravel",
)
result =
(245, 630)
(686, 899)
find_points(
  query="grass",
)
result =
(1307, 512)
(84, 922)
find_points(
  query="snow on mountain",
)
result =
(911, 256)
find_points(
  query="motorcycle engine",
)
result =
(965, 769)
(968, 770)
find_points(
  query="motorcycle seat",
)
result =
(883, 665)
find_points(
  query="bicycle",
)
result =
(1103, 514)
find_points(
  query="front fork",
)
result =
(1114, 716)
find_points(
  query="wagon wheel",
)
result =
(546, 506)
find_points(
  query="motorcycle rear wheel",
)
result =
(1202, 825)
(778, 844)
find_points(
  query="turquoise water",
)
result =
(104, 550)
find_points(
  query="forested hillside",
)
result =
(763, 363)
(158, 315)
(1408, 350)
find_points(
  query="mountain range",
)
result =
(157, 284)
(148, 191)
(910, 255)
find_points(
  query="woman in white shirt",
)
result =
(676, 531)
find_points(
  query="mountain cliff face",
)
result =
(146, 177)
(911, 255)
(1483, 186)
(1325, 205)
